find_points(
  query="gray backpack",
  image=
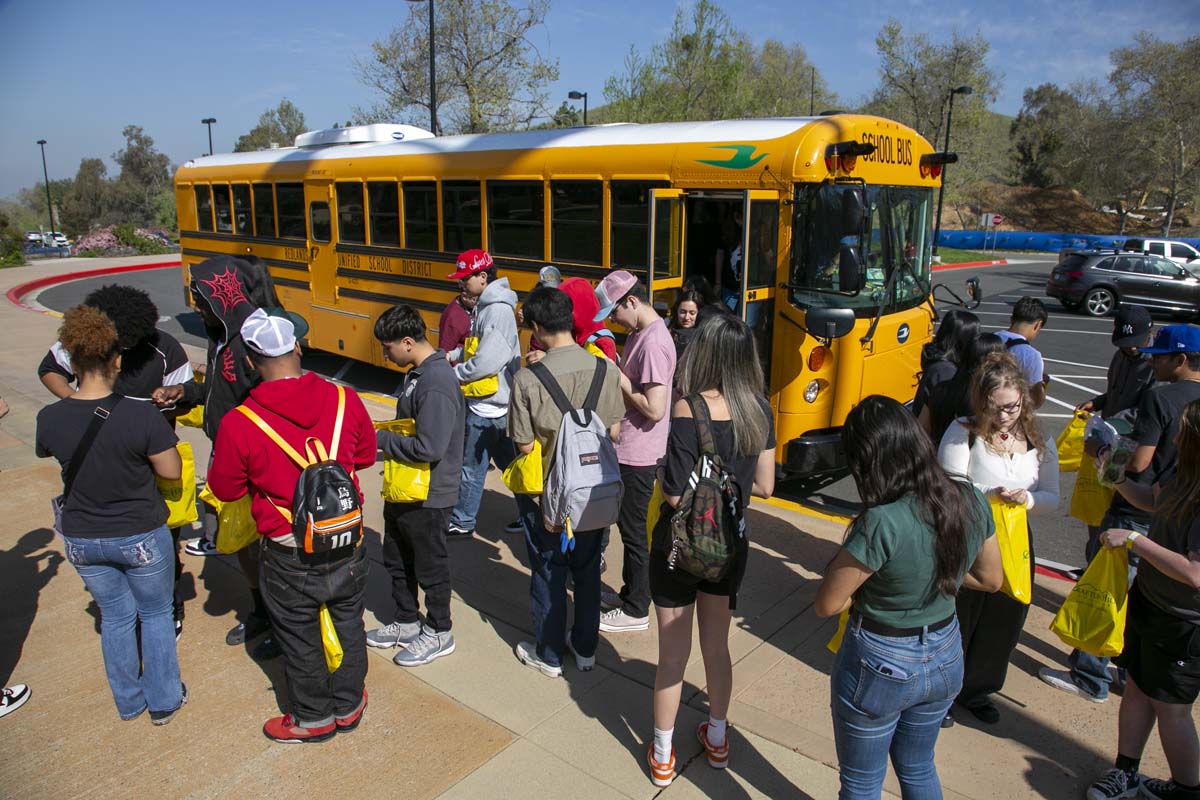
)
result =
(582, 491)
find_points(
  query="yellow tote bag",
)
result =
(1012, 535)
(236, 528)
(1090, 500)
(835, 642)
(1070, 443)
(1092, 618)
(524, 474)
(194, 418)
(403, 482)
(654, 512)
(330, 642)
(180, 495)
(484, 387)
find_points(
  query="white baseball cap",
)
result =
(269, 335)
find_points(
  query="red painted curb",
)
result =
(17, 292)
(1052, 573)
(940, 267)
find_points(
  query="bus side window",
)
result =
(289, 197)
(264, 210)
(241, 210)
(516, 219)
(204, 217)
(630, 230)
(318, 215)
(352, 227)
(461, 214)
(576, 227)
(221, 204)
(420, 215)
(383, 207)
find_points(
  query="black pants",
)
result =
(635, 572)
(294, 587)
(414, 554)
(991, 624)
(177, 600)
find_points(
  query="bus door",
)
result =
(667, 234)
(331, 328)
(759, 264)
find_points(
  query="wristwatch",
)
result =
(1129, 542)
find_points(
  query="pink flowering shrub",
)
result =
(120, 240)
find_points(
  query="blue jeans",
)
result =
(132, 578)
(485, 440)
(889, 696)
(1088, 672)
(548, 587)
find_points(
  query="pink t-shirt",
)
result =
(649, 357)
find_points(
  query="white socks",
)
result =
(716, 732)
(662, 744)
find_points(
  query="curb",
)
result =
(16, 293)
(969, 264)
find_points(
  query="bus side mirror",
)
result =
(850, 272)
(829, 323)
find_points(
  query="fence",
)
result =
(1023, 240)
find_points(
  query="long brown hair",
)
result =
(1000, 371)
(1179, 505)
(722, 357)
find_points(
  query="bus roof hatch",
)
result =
(357, 134)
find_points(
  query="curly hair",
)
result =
(132, 310)
(90, 338)
(1000, 371)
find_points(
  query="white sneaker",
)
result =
(200, 547)
(617, 621)
(527, 655)
(14, 697)
(1061, 679)
(582, 663)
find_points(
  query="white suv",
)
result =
(1181, 253)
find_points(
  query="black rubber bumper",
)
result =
(815, 453)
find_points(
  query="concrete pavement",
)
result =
(475, 724)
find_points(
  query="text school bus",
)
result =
(817, 229)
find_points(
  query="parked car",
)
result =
(1181, 253)
(56, 239)
(1098, 280)
(33, 237)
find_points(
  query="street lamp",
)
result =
(580, 96)
(432, 73)
(937, 228)
(209, 121)
(46, 178)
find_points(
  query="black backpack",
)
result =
(326, 513)
(708, 527)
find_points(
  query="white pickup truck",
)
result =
(1181, 253)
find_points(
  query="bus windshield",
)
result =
(886, 227)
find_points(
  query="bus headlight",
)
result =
(810, 391)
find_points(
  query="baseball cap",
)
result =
(271, 336)
(549, 275)
(1131, 325)
(470, 262)
(610, 291)
(1175, 339)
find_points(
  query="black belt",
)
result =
(311, 558)
(870, 625)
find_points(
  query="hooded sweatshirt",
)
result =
(231, 287)
(246, 460)
(499, 352)
(584, 308)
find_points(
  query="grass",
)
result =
(952, 255)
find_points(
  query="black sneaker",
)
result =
(252, 627)
(13, 698)
(1154, 789)
(1115, 784)
(163, 717)
(454, 531)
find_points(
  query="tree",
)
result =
(1159, 78)
(490, 75)
(276, 126)
(782, 82)
(88, 201)
(1040, 134)
(145, 174)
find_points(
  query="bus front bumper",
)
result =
(815, 452)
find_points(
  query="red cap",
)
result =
(470, 262)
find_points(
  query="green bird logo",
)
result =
(743, 157)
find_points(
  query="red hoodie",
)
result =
(585, 306)
(246, 460)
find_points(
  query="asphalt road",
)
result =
(1076, 347)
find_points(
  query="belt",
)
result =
(298, 552)
(872, 626)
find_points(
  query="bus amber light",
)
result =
(816, 359)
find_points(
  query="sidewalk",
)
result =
(476, 724)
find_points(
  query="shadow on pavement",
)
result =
(24, 579)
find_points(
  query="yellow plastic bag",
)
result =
(654, 512)
(1090, 500)
(1070, 443)
(403, 482)
(835, 642)
(1012, 535)
(1092, 618)
(524, 474)
(194, 418)
(330, 642)
(484, 387)
(180, 495)
(235, 523)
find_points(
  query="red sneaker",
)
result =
(350, 721)
(718, 757)
(661, 774)
(284, 729)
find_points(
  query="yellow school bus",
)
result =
(816, 230)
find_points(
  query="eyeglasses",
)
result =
(1009, 410)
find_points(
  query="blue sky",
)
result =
(75, 73)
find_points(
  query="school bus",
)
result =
(817, 230)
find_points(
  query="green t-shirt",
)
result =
(897, 545)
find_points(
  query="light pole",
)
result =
(580, 96)
(209, 121)
(432, 72)
(937, 228)
(46, 178)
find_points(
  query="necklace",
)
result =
(1007, 444)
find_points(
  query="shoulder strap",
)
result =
(337, 425)
(288, 450)
(1015, 342)
(102, 412)
(592, 401)
(556, 393)
(703, 422)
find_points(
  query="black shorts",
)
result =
(1162, 652)
(675, 589)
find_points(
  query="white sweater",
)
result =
(990, 470)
